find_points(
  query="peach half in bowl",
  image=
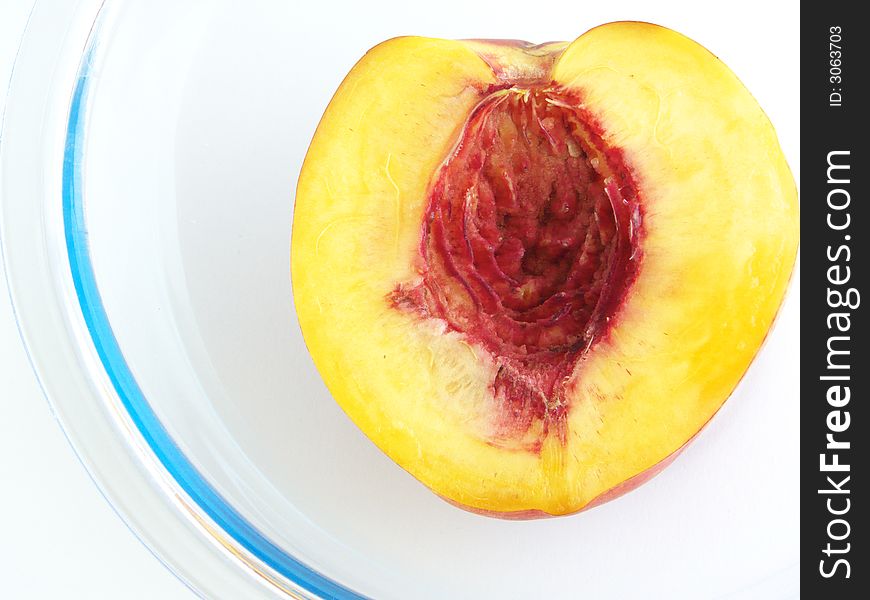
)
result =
(633, 232)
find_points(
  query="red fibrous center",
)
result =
(529, 243)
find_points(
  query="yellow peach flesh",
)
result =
(721, 231)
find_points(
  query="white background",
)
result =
(58, 537)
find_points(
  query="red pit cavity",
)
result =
(529, 244)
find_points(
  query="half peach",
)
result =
(531, 274)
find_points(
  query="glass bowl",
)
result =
(149, 158)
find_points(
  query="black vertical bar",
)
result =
(835, 363)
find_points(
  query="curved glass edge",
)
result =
(167, 452)
(19, 326)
